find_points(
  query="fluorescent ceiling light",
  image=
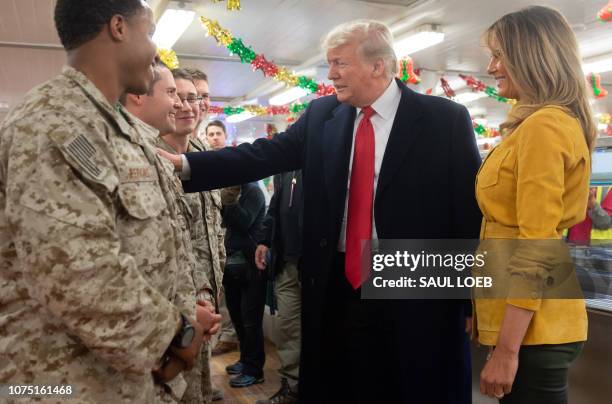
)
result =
(421, 38)
(599, 66)
(171, 26)
(243, 116)
(469, 96)
(288, 96)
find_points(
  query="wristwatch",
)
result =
(185, 335)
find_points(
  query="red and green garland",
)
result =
(259, 61)
(259, 109)
(478, 85)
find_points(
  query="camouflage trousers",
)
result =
(199, 383)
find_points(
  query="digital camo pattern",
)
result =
(203, 217)
(89, 267)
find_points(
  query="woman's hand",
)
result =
(498, 375)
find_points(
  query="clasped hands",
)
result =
(176, 359)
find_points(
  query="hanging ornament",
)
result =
(406, 71)
(605, 14)
(168, 56)
(595, 81)
(448, 91)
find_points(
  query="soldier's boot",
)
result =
(286, 395)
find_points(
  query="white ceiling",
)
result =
(289, 32)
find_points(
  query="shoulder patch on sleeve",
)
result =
(83, 151)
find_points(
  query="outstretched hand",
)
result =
(175, 159)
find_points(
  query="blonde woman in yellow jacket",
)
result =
(532, 187)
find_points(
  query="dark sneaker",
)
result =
(217, 394)
(234, 369)
(245, 380)
(224, 347)
(283, 396)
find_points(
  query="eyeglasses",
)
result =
(191, 99)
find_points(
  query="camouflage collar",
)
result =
(116, 113)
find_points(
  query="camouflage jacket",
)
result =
(90, 280)
(203, 214)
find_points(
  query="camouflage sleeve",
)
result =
(74, 266)
(185, 297)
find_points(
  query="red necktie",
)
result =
(361, 192)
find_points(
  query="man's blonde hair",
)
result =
(374, 38)
(540, 53)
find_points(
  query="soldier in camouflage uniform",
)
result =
(204, 224)
(91, 283)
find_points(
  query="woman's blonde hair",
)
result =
(540, 53)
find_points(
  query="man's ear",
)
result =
(379, 68)
(117, 27)
(135, 99)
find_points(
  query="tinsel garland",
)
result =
(605, 14)
(256, 110)
(485, 131)
(168, 56)
(232, 5)
(478, 85)
(259, 61)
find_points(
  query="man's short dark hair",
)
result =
(182, 74)
(79, 21)
(197, 74)
(216, 123)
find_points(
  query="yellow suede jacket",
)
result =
(533, 185)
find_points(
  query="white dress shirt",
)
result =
(385, 108)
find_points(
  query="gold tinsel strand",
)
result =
(286, 77)
(256, 109)
(168, 56)
(213, 28)
(233, 5)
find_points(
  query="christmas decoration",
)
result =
(605, 14)
(448, 91)
(406, 71)
(256, 110)
(259, 61)
(168, 56)
(232, 5)
(478, 85)
(604, 118)
(595, 81)
(484, 131)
